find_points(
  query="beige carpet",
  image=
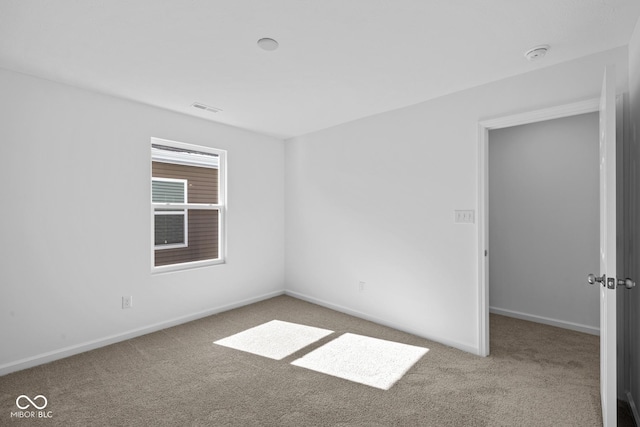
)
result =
(537, 375)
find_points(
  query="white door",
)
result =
(607, 281)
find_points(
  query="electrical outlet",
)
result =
(361, 286)
(127, 302)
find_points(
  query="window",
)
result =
(187, 205)
(170, 225)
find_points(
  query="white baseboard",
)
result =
(547, 321)
(365, 316)
(50, 356)
(634, 408)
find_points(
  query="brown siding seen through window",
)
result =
(203, 232)
(203, 240)
(202, 186)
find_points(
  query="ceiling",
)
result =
(338, 60)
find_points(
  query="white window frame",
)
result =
(183, 212)
(221, 206)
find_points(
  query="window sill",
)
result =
(171, 268)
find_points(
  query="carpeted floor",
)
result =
(537, 375)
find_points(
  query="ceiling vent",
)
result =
(206, 107)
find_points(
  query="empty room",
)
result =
(312, 213)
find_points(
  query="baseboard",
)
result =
(374, 319)
(51, 356)
(634, 408)
(545, 320)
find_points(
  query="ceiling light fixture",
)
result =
(536, 52)
(268, 44)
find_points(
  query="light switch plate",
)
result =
(464, 217)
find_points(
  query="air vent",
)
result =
(206, 107)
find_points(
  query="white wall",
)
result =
(634, 295)
(75, 168)
(544, 221)
(373, 200)
(370, 200)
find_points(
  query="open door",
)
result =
(607, 281)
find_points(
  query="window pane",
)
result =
(169, 229)
(192, 177)
(203, 239)
(202, 182)
(167, 191)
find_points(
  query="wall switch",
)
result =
(361, 286)
(464, 217)
(127, 302)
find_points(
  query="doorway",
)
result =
(544, 221)
(623, 212)
(484, 127)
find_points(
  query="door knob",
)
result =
(592, 279)
(627, 283)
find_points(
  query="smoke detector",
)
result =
(537, 52)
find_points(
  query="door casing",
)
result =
(567, 110)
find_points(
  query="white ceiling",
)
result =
(338, 60)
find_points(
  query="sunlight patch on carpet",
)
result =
(370, 361)
(275, 339)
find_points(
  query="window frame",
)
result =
(183, 212)
(221, 206)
